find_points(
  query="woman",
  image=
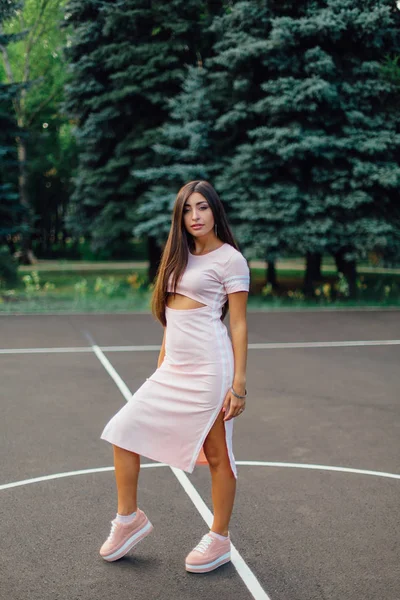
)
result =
(182, 414)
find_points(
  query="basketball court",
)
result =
(318, 452)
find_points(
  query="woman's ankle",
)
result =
(220, 531)
(126, 511)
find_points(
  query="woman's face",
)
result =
(197, 216)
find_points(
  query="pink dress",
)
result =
(169, 416)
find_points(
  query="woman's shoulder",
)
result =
(233, 263)
(236, 272)
(232, 255)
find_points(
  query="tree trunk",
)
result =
(349, 270)
(271, 275)
(154, 252)
(27, 257)
(312, 274)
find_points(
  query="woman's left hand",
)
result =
(233, 407)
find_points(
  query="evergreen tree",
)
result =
(320, 171)
(128, 59)
(208, 118)
(183, 154)
(236, 72)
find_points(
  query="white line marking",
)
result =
(246, 463)
(249, 579)
(258, 463)
(247, 575)
(14, 484)
(271, 345)
(322, 309)
(250, 309)
(44, 350)
(156, 348)
(121, 385)
(342, 344)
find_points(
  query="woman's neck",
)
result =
(206, 246)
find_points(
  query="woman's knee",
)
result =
(217, 455)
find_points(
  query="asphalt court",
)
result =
(303, 533)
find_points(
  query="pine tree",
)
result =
(320, 172)
(128, 60)
(183, 154)
(236, 74)
(208, 118)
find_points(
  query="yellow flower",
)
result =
(326, 289)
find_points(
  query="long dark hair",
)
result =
(179, 243)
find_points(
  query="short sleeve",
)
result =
(236, 274)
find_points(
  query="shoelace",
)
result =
(204, 543)
(113, 528)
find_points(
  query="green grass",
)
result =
(114, 293)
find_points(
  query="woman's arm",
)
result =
(162, 351)
(238, 327)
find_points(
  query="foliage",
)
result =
(391, 69)
(290, 109)
(209, 118)
(126, 291)
(37, 56)
(183, 153)
(127, 59)
(184, 150)
(319, 170)
(108, 287)
(33, 284)
(139, 282)
(236, 71)
(45, 146)
(11, 209)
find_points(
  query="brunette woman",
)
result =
(183, 413)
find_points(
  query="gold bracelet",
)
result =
(237, 395)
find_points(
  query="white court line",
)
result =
(14, 484)
(246, 463)
(244, 572)
(130, 348)
(247, 575)
(156, 348)
(120, 383)
(343, 344)
(45, 350)
(267, 309)
(272, 345)
(258, 463)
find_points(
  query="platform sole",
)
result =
(218, 562)
(130, 543)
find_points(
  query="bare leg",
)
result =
(223, 482)
(127, 467)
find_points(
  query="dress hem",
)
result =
(188, 469)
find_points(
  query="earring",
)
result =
(215, 229)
